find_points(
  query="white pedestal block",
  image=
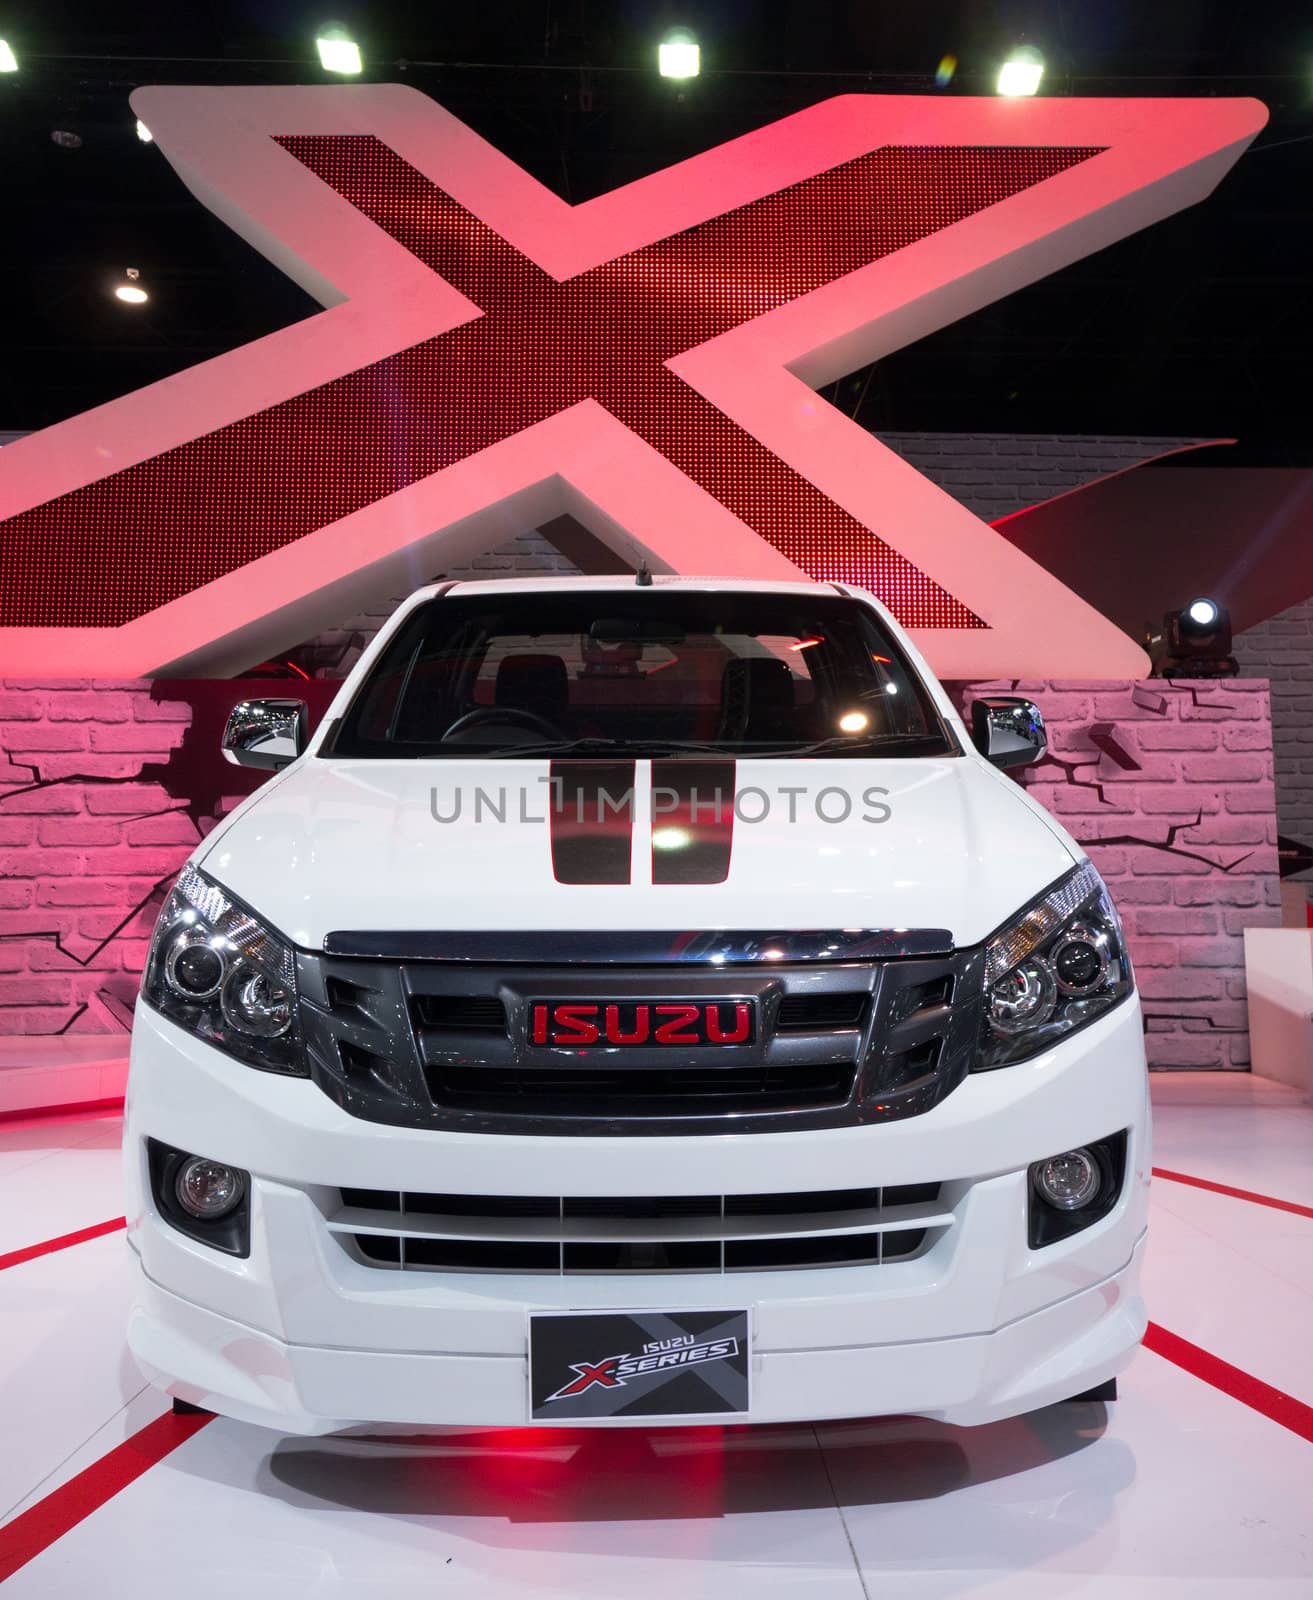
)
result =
(1279, 975)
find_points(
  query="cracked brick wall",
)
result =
(1281, 650)
(106, 788)
(1169, 787)
(86, 848)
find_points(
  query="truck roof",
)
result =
(625, 581)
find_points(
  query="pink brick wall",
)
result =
(105, 788)
(88, 839)
(1169, 786)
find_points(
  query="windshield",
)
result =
(643, 671)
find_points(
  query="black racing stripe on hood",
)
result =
(697, 799)
(592, 821)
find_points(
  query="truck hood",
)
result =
(336, 845)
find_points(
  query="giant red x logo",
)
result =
(675, 342)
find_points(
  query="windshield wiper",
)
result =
(641, 749)
(871, 744)
(637, 748)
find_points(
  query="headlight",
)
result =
(215, 969)
(1059, 965)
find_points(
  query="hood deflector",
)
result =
(716, 947)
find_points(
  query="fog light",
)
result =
(1069, 1181)
(207, 1190)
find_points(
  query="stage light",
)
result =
(131, 292)
(678, 56)
(338, 53)
(1195, 642)
(144, 133)
(8, 60)
(1021, 73)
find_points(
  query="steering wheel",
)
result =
(515, 715)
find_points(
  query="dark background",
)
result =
(1197, 326)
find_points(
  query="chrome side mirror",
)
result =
(268, 734)
(1008, 731)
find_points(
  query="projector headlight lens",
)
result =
(193, 968)
(216, 969)
(1056, 967)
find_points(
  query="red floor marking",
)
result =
(77, 1112)
(1275, 1404)
(37, 1528)
(1236, 1194)
(48, 1246)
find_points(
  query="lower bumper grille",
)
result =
(674, 1234)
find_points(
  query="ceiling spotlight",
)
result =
(144, 133)
(1021, 72)
(678, 55)
(338, 52)
(8, 60)
(1195, 642)
(131, 292)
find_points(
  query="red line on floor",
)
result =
(37, 1528)
(1236, 1194)
(1275, 1404)
(48, 1246)
(76, 1112)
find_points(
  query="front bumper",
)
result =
(303, 1337)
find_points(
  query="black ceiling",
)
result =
(1197, 326)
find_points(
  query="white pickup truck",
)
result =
(640, 1001)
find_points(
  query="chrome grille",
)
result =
(446, 1042)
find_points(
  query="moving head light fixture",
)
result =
(1195, 642)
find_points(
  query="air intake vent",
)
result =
(638, 1091)
(808, 1013)
(458, 1013)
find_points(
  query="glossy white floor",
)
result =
(1180, 1489)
